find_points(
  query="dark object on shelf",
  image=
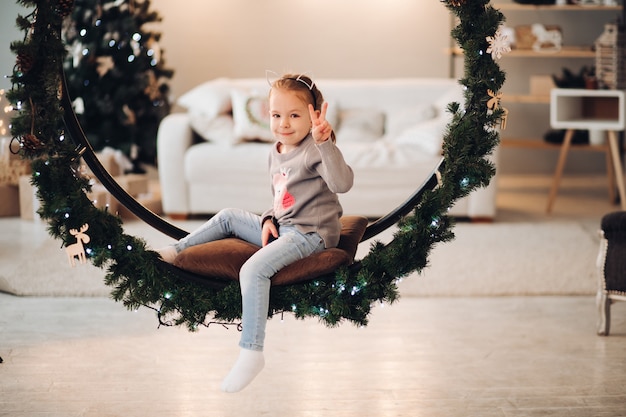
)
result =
(570, 80)
(581, 137)
(534, 1)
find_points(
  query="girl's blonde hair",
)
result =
(305, 88)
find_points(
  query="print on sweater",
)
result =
(283, 200)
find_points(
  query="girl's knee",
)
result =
(223, 213)
(256, 270)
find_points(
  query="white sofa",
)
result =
(389, 130)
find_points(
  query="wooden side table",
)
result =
(579, 109)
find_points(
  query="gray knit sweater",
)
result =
(305, 183)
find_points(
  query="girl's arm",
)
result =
(334, 170)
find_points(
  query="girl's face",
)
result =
(289, 118)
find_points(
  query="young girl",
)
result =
(307, 171)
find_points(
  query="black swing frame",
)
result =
(77, 135)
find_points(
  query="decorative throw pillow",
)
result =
(251, 116)
(426, 135)
(360, 125)
(218, 129)
(208, 99)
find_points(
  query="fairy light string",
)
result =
(136, 277)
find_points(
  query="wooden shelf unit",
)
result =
(554, 7)
(532, 143)
(565, 52)
(585, 53)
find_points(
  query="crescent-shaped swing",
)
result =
(217, 263)
(333, 289)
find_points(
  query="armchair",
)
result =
(611, 264)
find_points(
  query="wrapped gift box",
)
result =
(9, 200)
(102, 199)
(151, 202)
(28, 202)
(114, 162)
(12, 167)
(134, 184)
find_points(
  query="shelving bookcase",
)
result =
(521, 64)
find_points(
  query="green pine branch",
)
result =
(134, 273)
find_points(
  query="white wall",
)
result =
(204, 39)
(330, 38)
(8, 34)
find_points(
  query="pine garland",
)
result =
(134, 272)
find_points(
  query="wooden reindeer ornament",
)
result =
(494, 103)
(77, 248)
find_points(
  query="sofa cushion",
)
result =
(402, 119)
(219, 129)
(427, 136)
(224, 258)
(360, 125)
(208, 99)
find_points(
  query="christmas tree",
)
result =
(117, 76)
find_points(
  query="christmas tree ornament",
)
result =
(104, 64)
(152, 88)
(153, 50)
(499, 44)
(64, 7)
(77, 250)
(25, 62)
(494, 104)
(131, 118)
(76, 52)
(30, 142)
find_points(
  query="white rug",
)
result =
(511, 259)
(546, 258)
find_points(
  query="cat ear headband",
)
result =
(272, 77)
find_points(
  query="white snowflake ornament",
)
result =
(498, 44)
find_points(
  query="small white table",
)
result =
(579, 109)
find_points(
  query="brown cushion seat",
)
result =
(224, 258)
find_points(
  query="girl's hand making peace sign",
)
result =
(320, 128)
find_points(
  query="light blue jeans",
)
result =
(255, 274)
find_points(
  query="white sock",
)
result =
(247, 367)
(168, 254)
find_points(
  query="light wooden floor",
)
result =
(432, 357)
(436, 357)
